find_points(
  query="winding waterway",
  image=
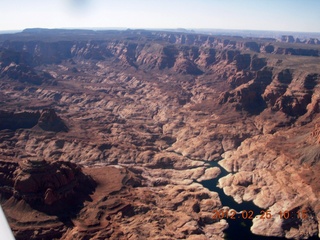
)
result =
(239, 228)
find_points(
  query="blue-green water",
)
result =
(239, 228)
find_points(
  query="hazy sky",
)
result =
(284, 15)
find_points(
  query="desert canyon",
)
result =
(111, 134)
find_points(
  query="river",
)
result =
(238, 228)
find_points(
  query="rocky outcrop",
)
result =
(37, 194)
(41, 183)
(313, 41)
(281, 91)
(248, 96)
(34, 53)
(291, 39)
(47, 120)
(296, 103)
(186, 66)
(7, 170)
(257, 63)
(24, 74)
(278, 87)
(287, 39)
(297, 52)
(50, 121)
(242, 61)
(18, 66)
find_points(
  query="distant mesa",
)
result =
(288, 39)
(291, 39)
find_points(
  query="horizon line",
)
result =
(161, 29)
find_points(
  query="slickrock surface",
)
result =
(145, 114)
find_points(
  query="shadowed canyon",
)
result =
(111, 134)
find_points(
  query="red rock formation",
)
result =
(18, 66)
(47, 120)
(41, 182)
(35, 194)
(297, 51)
(50, 121)
(7, 170)
(257, 63)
